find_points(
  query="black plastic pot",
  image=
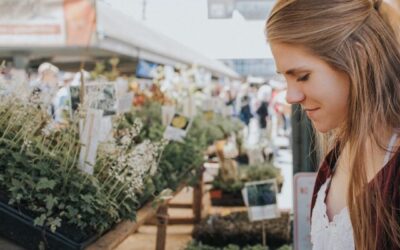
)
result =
(19, 228)
(227, 199)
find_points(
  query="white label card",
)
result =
(178, 128)
(167, 113)
(90, 138)
(124, 103)
(260, 199)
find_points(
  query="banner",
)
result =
(33, 23)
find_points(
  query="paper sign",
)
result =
(90, 139)
(167, 113)
(105, 129)
(178, 128)
(124, 103)
(189, 107)
(97, 96)
(102, 96)
(122, 87)
(303, 190)
(260, 199)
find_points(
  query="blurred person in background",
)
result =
(62, 100)
(45, 86)
(245, 113)
(263, 97)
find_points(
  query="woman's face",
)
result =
(321, 90)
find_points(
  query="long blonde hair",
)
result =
(361, 38)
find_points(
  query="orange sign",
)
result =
(80, 21)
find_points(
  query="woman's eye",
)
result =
(303, 78)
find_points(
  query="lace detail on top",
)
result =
(334, 235)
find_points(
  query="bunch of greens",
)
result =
(236, 228)
(218, 128)
(258, 172)
(179, 162)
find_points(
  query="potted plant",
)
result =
(45, 199)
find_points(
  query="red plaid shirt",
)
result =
(388, 180)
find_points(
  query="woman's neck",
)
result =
(375, 150)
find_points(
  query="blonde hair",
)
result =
(361, 38)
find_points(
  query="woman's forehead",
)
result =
(291, 59)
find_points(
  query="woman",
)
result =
(341, 60)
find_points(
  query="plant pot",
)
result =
(223, 198)
(19, 228)
(216, 194)
(235, 228)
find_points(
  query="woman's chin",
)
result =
(320, 127)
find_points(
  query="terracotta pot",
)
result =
(216, 194)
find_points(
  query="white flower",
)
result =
(126, 140)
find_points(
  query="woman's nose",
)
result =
(294, 94)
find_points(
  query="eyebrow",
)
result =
(294, 71)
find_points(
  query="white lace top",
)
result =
(334, 235)
(338, 233)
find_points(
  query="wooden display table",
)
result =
(155, 213)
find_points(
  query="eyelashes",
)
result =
(303, 78)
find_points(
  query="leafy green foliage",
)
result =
(258, 172)
(236, 228)
(180, 162)
(40, 176)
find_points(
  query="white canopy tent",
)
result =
(73, 30)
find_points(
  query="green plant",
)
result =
(39, 173)
(258, 172)
(180, 162)
(235, 228)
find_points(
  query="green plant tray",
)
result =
(228, 200)
(19, 228)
